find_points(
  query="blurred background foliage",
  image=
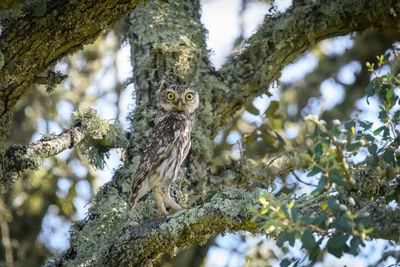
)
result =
(329, 80)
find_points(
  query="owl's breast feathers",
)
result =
(164, 136)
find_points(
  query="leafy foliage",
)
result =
(332, 154)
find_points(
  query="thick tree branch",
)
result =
(119, 239)
(142, 244)
(282, 39)
(29, 44)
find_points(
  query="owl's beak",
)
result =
(179, 104)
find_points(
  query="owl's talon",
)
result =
(173, 211)
(159, 215)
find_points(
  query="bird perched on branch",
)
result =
(166, 147)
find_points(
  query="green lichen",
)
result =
(100, 136)
(91, 124)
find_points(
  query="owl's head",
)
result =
(179, 98)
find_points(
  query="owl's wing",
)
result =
(158, 144)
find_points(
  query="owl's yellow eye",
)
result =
(170, 96)
(189, 96)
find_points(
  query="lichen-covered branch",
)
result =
(136, 241)
(21, 157)
(113, 238)
(94, 136)
(283, 38)
(30, 44)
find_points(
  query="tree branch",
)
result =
(282, 39)
(142, 244)
(98, 134)
(29, 44)
(116, 238)
(22, 157)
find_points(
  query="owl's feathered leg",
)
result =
(168, 199)
(160, 203)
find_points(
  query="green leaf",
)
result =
(369, 138)
(279, 116)
(326, 141)
(343, 224)
(337, 245)
(252, 109)
(350, 124)
(354, 250)
(306, 219)
(320, 220)
(322, 183)
(40, 9)
(388, 156)
(315, 170)
(314, 253)
(271, 110)
(383, 116)
(333, 204)
(379, 130)
(366, 124)
(294, 213)
(336, 132)
(370, 90)
(318, 151)
(292, 238)
(386, 57)
(354, 146)
(308, 240)
(390, 95)
(386, 133)
(285, 262)
(336, 178)
(395, 119)
(281, 239)
(372, 149)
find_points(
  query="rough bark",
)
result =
(29, 44)
(167, 47)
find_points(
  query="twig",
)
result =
(301, 181)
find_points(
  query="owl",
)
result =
(166, 147)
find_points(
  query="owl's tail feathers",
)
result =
(135, 190)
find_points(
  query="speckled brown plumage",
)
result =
(166, 147)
